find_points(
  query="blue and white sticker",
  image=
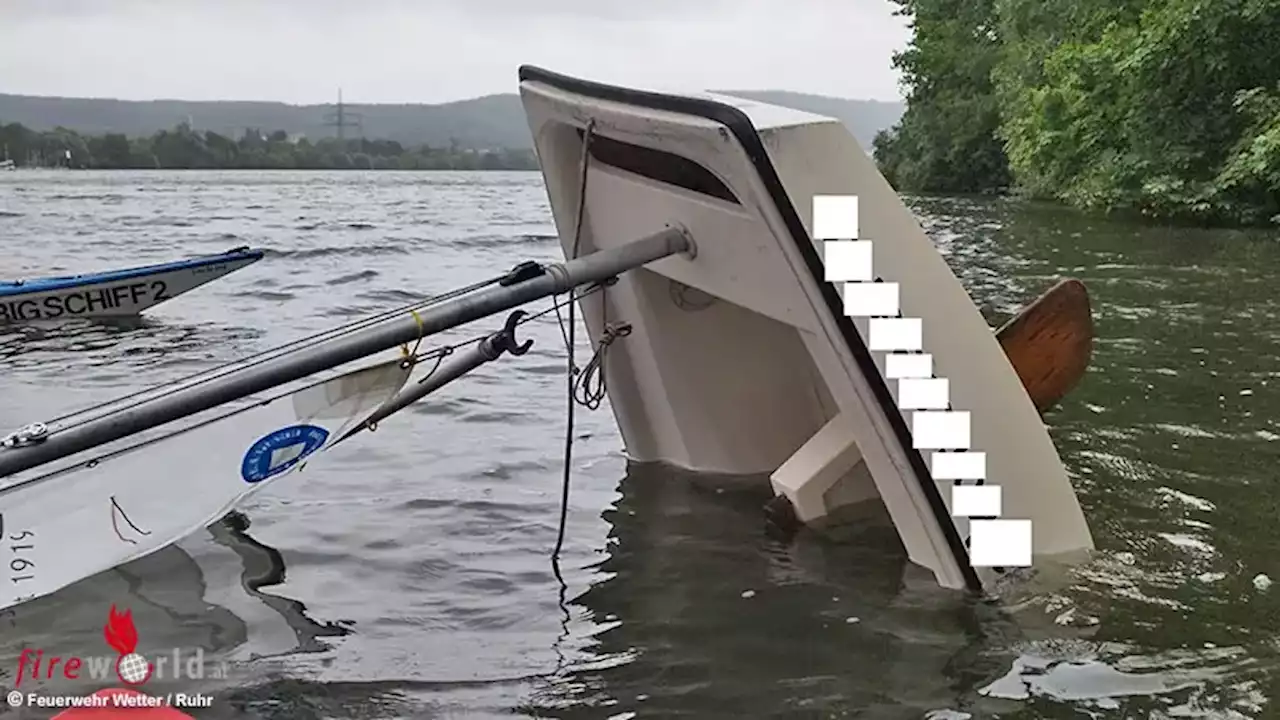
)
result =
(280, 450)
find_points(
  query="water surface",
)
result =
(409, 577)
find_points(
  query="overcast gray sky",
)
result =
(300, 51)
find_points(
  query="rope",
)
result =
(438, 354)
(592, 397)
(589, 388)
(584, 165)
(121, 404)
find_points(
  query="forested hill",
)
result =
(487, 122)
(492, 121)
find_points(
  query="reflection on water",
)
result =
(167, 595)
(264, 567)
(817, 625)
(845, 626)
(109, 354)
(271, 695)
(176, 627)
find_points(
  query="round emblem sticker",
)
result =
(278, 451)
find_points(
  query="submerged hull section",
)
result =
(744, 360)
(117, 293)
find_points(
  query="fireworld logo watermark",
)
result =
(127, 665)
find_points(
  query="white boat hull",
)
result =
(101, 512)
(743, 359)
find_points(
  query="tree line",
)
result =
(186, 148)
(1167, 108)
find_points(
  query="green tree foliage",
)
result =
(946, 141)
(185, 148)
(1170, 108)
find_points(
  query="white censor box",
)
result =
(938, 431)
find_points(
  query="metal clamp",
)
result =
(32, 434)
(506, 338)
(526, 270)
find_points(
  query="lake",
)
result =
(409, 576)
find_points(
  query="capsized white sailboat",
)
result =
(750, 360)
(688, 225)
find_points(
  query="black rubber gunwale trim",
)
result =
(742, 128)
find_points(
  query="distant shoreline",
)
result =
(185, 148)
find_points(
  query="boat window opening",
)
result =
(658, 165)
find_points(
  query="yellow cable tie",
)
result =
(404, 349)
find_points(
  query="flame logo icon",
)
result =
(131, 668)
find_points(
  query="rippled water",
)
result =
(409, 577)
